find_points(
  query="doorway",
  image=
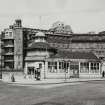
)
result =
(74, 69)
(30, 71)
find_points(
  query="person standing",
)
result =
(38, 74)
(103, 74)
(35, 72)
(12, 78)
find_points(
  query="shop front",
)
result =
(34, 69)
(57, 69)
(74, 65)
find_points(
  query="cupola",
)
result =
(40, 37)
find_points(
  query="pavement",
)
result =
(23, 81)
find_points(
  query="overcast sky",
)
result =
(82, 15)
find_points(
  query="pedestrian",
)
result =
(12, 78)
(38, 74)
(35, 72)
(24, 76)
(103, 74)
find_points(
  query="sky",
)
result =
(83, 15)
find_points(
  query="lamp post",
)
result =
(45, 62)
(45, 68)
(65, 72)
(1, 69)
(1, 61)
(64, 67)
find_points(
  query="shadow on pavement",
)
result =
(48, 103)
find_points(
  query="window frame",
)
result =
(94, 67)
(52, 67)
(84, 67)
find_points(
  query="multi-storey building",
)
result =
(1, 59)
(53, 51)
(12, 38)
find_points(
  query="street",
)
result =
(85, 93)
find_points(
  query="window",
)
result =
(19, 63)
(63, 66)
(40, 65)
(8, 43)
(9, 65)
(60, 65)
(8, 57)
(10, 34)
(30, 70)
(94, 67)
(66, 45)
(84, 67)
(63, 46)
(9, 50)
(52, 67)
(6, 34)
(74, 67)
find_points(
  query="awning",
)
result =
(32, 58)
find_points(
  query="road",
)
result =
(87, 93)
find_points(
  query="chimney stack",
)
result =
(18, 23)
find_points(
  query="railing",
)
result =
(12, 70)
(8, 60)
(8, 53)
(8, 45)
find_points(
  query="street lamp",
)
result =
(45, 68)
(1, 60)
(45, 62)
(1, 69)
(65, 68)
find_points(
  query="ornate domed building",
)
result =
(54, 62)
(37, 53)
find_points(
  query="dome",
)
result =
(67, 28)
(58, 24)
(60, 27)
(40, 34)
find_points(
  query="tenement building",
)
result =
(52, 53)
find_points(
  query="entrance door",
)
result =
(74, 69)
(30, 70)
